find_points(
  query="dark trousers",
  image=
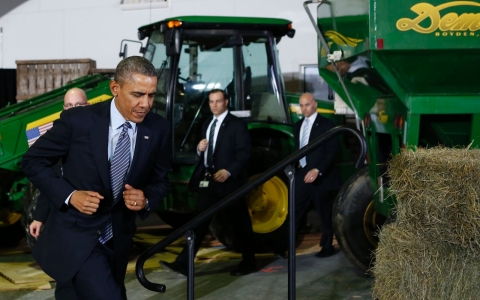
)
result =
(65, 291)
(236, 213)
(95, 279)
(322, 200)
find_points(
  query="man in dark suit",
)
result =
(224, 152)
(316, 179)
(74, 97)
(115, 159)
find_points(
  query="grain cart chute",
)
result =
(407, 72)
(34, 114)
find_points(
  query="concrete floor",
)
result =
(327, 278)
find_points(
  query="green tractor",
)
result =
(239, 55)
(193, 55)
(404, 73)
(17, 122)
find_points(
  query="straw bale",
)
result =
(432, 250)
(437, 192)
(407, 267)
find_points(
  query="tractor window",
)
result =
(201, 69)
(261, 88)
(156, 53)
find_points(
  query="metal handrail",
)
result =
(294, 157)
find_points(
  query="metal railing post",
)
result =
(190, 237)
(292, 285)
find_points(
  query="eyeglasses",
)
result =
(70, 105)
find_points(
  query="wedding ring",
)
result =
(135, 204)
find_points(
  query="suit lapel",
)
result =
(99, 137)
(142, 144)
(221, 130)
(296, 134)
(314, 132)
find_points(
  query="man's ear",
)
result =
(114, 87)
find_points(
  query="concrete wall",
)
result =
(69, 29)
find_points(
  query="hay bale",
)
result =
(407, 267)
(432, 251)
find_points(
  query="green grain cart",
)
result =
(405, 73)
(193, 55)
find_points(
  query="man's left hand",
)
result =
(311, 176)
(134, 199)
(221, 175)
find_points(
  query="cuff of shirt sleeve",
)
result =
(67, 201)
(147, 205)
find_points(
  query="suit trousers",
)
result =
(237, 215)
(322, 200)
(65, 291)
(95, 279)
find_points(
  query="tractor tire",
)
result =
(29, 203)
(355, 221)
(11, 229)
(11, 234)
(267, 205)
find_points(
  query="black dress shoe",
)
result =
(242, 270)
(325, 252)
(175, 267)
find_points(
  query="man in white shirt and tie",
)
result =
(224, 152)
(116, 156)
(316, 178)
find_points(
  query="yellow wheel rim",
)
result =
(268, 205)
(8, 218)
(370, 224)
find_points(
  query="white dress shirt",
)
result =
(220, 119)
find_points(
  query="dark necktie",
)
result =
(210, 144)
(118, 169)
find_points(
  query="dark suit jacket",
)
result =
(322, 158)
(80, 139)
(232, 152)
(42, 207)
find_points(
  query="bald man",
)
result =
(74, 97)
(316, 179)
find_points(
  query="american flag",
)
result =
(37, 128)
(36, 132)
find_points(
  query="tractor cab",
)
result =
(197, 54)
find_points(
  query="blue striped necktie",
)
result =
(304, 141)
(118, 171)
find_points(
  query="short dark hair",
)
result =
(225, 97)
(134, 65)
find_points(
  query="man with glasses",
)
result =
(74, 97)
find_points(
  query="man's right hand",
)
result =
(35, 228)
(86, 202)
(202, 146)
